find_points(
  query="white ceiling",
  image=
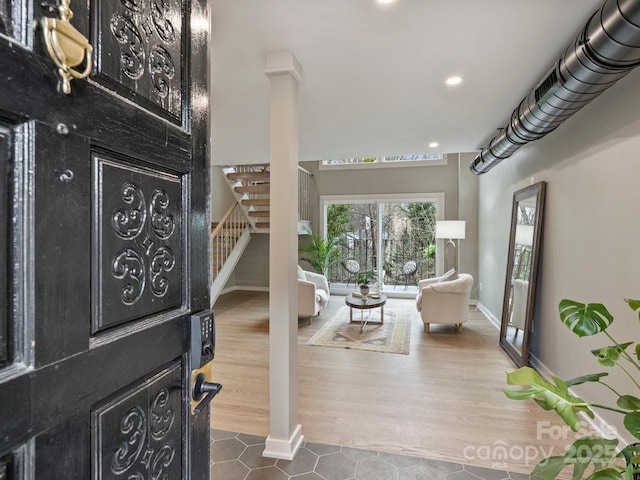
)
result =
(373, 75)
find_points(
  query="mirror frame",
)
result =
(538, 191)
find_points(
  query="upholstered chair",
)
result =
(519, 305)
(445, 299)
(313, 293)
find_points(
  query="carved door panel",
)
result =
(103, 241)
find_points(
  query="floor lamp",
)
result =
(450, 230)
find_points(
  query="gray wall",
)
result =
(468, 185)
(591, 231)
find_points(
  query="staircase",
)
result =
(251, 187)
(250, 213)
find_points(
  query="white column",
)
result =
(285, 436)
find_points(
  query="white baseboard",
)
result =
(284, 449)
(496, 323)
(245, 288)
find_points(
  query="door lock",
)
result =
(202, 350)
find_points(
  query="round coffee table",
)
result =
(365, 304)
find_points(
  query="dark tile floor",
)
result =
(238, 456)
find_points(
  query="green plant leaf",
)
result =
(634, 305)
(629, 402)
(629, 471)
(632, 423)
(549, 468)
(322, 253)
(606, 474)
(584, 320)
(630, 454)
(548, 395)
(596, 451)
(608, 356)
(578, 470)
(592, 377)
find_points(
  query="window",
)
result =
(432, 159)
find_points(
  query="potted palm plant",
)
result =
(321, 253)
(602, 454)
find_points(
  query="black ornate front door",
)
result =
(103, 239)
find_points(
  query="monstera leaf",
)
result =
(629, 402)
(584, 320)
(589, 458)
(592, 377)
(633, 305)
(608, 356)
(632, 423)
(548, 395)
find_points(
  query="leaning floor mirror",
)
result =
(522, 269)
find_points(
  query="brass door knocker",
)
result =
(66, 46)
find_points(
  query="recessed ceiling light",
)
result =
(455, 80)
(384, 2)
(433, 144)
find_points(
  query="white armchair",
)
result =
(519, 305)
(313, 293)
(444, 301)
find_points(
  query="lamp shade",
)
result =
(524, 235)
(450, 229)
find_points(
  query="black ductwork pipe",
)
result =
(606, 49)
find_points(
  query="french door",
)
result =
(391, 235)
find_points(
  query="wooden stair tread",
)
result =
(256, 201)
(249, 176)
(253, 189)
(259, 213)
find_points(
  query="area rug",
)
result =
(392, 337)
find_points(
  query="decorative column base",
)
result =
(284, 449)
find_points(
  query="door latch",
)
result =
(204, 392)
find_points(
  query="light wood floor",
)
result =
(442, 401)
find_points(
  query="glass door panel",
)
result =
(394, 239)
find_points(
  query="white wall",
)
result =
(591, 230)
(221, 196)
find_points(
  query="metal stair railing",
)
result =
(305, 206)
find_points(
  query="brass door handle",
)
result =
(66, 46)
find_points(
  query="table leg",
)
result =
(350, 314)
(382, 315)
